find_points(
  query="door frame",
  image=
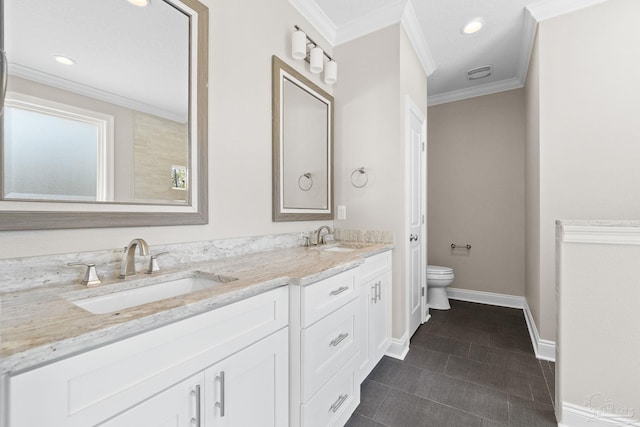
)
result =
(412, 109)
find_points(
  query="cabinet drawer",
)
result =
(321, 298)
(88, 388)
(327, 346)
(375, 265)
(335, 402)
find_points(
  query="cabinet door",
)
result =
(379, 318)
(251, 387)
(178, 406)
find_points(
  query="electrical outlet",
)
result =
(342, 212)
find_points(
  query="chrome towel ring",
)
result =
(305, 182)
(362, 174)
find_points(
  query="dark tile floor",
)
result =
(472, 365)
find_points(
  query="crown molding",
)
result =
(529, 27)
(548, 9)
(472, 92)
(414, 32)
(374, 21)
(310, 10)
(91, 92)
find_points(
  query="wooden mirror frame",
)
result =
(141, 215)
(278, 68)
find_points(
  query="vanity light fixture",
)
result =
(473, 26)
(64, 60)
(139, 3)
(302, 47)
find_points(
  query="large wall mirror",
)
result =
(104, 114)
(302, 147)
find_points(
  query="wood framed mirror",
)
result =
(302, 147)
(104, 120)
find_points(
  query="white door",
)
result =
(416, 228)
(178, 406)
(251, 387)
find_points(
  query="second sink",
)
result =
(128, 298)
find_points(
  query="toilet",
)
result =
(438, 278)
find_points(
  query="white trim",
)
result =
(548, 9)
(371, 22)
(472, 92)
(579, 416)
(91, 92)
(600, 234)
(317, 18)
(490, 298)
(414, 32)
(398, 348)
(529, 27)
(544, 349)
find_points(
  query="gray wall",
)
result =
(476, 191)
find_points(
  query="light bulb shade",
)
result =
(331, 72)
(299, 45)
(316, 62)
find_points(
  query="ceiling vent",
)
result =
(479, 72)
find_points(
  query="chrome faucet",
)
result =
(320, 237)
(128, 265)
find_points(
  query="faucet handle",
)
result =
(91, 275)
(153, 263)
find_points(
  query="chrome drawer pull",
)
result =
(196, 393)
(339, 290)
(220, 404)
(338, 403)
(339, 339)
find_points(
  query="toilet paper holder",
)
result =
(454, 246)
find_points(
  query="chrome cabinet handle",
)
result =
(220, 404)
(4, 70)
(338, 403)
(196, 394)
(339, 290)
(338, 339)
(374, 293)
(378, 290)
(413, 237)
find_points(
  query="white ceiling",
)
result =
(434, 28)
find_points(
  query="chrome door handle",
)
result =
(338, 339)
(338, 403)
(413, 237)
(196, 393)
(339, 291)
(220, 404)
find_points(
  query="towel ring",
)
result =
(361, 171)
(300, 182)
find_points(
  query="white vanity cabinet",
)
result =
(170, 376)
(375, 307)
(324, 342)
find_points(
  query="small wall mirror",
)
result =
(302, 147)
(104, 119)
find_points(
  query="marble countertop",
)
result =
(40, 325)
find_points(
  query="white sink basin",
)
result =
(120, 300)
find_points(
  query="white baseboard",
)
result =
(490, 298)
(580, 416)
(399, 347)
(544, 349)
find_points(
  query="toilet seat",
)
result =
(436, 270)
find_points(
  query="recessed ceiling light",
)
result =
(473, 26)
(139, 3)
(64, 60)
